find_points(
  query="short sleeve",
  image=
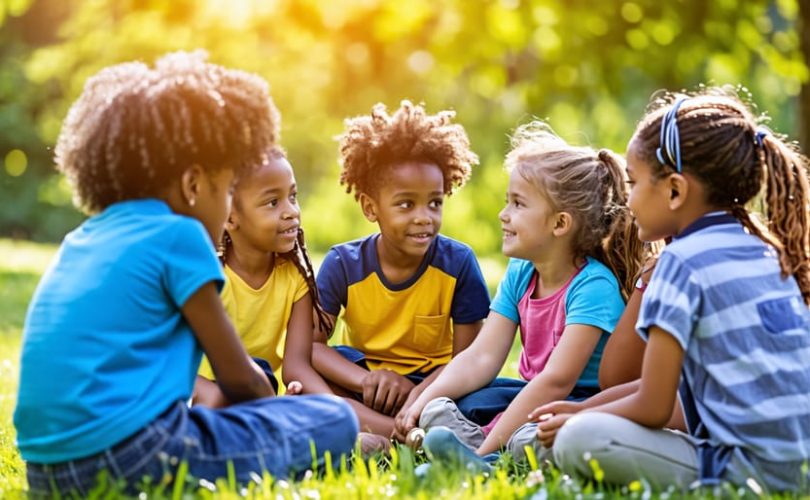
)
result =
(299, 282)
(332, 283)
(471, 297)
(671, 301)
(510, 290)
(594, 301)
(190, 261)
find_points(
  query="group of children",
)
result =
(194, 246)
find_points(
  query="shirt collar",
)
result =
(707, 220)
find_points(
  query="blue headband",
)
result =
(670, 142)
(761, 133)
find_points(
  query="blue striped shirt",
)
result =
(745, 332)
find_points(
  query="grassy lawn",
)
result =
(20, 269)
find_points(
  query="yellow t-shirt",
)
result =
(261, 316)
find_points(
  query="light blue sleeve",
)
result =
(594, 298)
(191, 261)
(511, 288)
(671, 300)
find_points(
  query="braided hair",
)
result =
(134, 129)
(723, 145)
(591, 186)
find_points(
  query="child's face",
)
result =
(265, 214)
(649, 199)
(408, 208)
(527, 220)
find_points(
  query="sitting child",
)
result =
(410, 298)
(725, 314)
(118, 324)
(270, 290)
(568, 232)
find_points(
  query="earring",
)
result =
(192, 201)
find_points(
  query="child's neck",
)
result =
(554, 273)
(396, 266)
(253, 266)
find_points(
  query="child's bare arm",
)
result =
(621, 360)
(334, 367)
(464, 335)
(556, 381)
(237, 375)
(297, 362)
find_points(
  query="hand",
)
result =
(548, 426)
(207, 393)
(294, 388)
(385, 391)
(556, 407)
(406, 419)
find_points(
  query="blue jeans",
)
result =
(487, 402)
(272, 434)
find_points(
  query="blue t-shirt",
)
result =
(593, 298)
(105, 347)
(745, 332)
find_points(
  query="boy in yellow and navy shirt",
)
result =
(409, 298)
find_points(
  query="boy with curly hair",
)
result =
(409, 298)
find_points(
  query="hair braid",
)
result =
(300, 257)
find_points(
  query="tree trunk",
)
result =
(803, 116)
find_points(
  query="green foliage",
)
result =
(588, 67)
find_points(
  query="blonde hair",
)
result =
(591, 186)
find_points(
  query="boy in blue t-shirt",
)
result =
(118, 324)
(410, 297)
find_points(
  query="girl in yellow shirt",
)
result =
(270, 291)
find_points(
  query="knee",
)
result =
(342, 415)
(433, 409)
(577, 440)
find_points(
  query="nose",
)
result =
(291, 211)
(503, 215)
(421, 216)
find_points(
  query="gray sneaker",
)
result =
(443, 412)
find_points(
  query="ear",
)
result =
(190, 182)
(369, 207)
(563, 223)
(232, 222)
(678, 189)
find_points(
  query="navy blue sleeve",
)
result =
(471, 297)
(332, 283)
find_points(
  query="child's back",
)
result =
(110, 299)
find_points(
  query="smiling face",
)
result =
(527, 220)
(408, 209)
(265, 214)
(649, 199)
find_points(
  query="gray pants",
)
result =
(625, 451)
(444, 412)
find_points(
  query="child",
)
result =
(566, 228)
(724, 313)
(118, 324)
(270, 289)
(411, 298)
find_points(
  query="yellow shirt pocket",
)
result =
(430, 332)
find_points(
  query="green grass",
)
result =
(20, 269)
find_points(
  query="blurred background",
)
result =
(587, 66)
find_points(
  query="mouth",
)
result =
(420, 237)
(507, 234)
(291, 232)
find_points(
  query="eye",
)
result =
(437, 203)
(405, 204)
(294, 197)
(273, 202)
(630, 182)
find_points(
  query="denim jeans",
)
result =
(487, 402)
(272, 434)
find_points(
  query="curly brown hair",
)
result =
(375, 143)
(134, 129)
(590, 185)
(721, 147)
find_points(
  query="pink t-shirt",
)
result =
(542, 322)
